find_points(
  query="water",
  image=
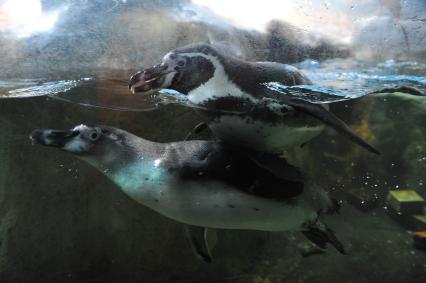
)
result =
(64, 63)
(333, 81)
(356, 78)
(344, 79)
(76, 215)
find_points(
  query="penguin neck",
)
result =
(113, 158)
(220, 84)
(136, 168)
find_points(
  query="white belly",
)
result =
(209, 204)
(217, 206)
(217, 86)
(273, 138)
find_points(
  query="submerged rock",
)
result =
(392, 123)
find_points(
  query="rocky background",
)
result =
(127, 34)
(138, 33)
(62, 221)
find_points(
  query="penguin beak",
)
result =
(55, 138)
(150, 79)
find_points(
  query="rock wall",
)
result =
(90, 36)
(398, 32)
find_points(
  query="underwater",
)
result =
(212, 141)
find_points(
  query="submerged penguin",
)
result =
(236, 104)
(203, 184)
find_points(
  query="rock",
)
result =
(288, 44)
(380, 38)
(138, 34)
(407, 202)
(419, 222)
(398, 32)
(420, 240)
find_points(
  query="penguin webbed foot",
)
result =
(198, 238)
(334, 208)
(320, 235)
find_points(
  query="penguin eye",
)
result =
(93, 135)
(181, 63)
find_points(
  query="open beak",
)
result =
(55, 138)
(149, 79)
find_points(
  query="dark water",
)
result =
(61, 221)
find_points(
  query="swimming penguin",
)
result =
(203, 184)
(236, 104)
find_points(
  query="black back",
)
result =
(241, 168)
(248, 75)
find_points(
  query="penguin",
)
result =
(202, 184)
(234, 100)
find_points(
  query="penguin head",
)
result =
(182, 69)
(80, 140)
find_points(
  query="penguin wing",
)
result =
(318, 112)
(331, 120)
(253, 173)
(238, 106)
(404, 89)
(276, 165)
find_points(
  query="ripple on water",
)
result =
(31, 88)
(333, 80)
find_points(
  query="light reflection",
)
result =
(23, 18)
(157, 162)
(335, 18)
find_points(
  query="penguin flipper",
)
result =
(331, 120)
(200, 127)
(277, 166)
(198, 238)
(320, 235)
(404, 89)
